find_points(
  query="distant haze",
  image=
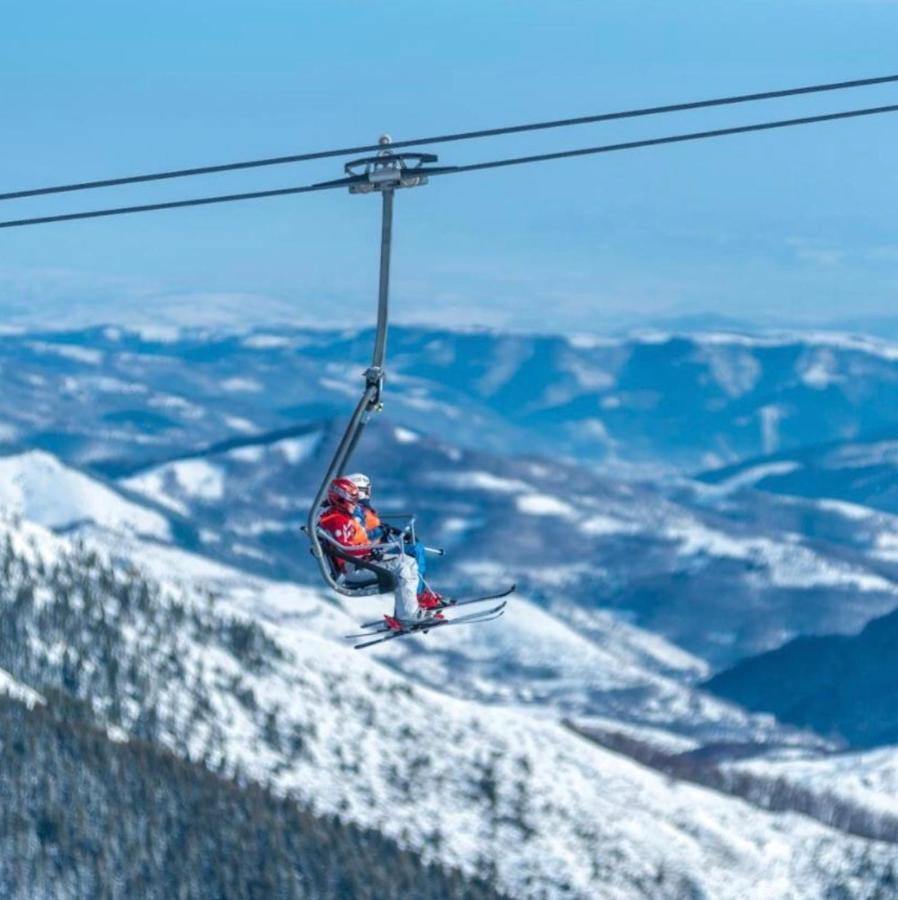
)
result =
(782, 228)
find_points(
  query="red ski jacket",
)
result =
(346, 530)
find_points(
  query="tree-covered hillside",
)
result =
(82, 816)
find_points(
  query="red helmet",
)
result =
(343, 494)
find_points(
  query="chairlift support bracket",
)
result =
(383, 174)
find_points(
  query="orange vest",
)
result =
(372, 519)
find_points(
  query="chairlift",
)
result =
(344, 571)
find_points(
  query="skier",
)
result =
(365, 512)
(339, 520)
(369, 519)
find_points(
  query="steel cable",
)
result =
(447, 138)
(471, 167)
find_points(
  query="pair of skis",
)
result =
(379, 627)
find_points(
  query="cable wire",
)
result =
(447, 138)
(670, 139)
(174, 204)
(472, 167)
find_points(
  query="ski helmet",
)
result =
(363, 483)
(343, 494)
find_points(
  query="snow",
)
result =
(544, 505)
(237, 423)
(154, 486)
(752, 475)
(251, 552)
(736, 372)
(36, 485)
(854, 511)
(886, 546)
(345, 388)
(595, 428)
(585, 816)
(108, 384)
(590, 378)
(601, 524)
(295, 450)
(18, 691)
(657, 738)
(252, 454)
(572, 796)
(505, 362)
(585, 341)
(298, 449)
(266, 341)
(868, 779)
(850, 456)
(456, 525)
(198, 478)
(68, 351)
(787, 564)
(771, 415)
(480, 481)
(159, 334)
(819, 370)
(180, 404)
(507, 785)
(194, 478)
(241, 385)
(406, 436)
(837, 340)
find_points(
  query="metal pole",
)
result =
(374, 382)
(383, 292)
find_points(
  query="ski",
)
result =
(470, 617)
(450, 604)
(486, 615)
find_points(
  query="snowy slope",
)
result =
(568, 662)
(556, 667)
(868, 780)
(860, 472)
(722, 584)
(490, 789)
(589, 666)
(10, 687)
(40, 488)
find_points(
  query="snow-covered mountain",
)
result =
(492, 789)
(838, 684)
(568, 660)
(154, 571)
(867, 782)
(862, 473)
(672, 561)
(114, 398)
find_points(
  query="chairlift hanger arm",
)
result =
(384, 173)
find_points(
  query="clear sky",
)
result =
(794, 226)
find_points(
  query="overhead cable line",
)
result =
(173, 204)
(670, 139)
(455, 170)
(447, 138)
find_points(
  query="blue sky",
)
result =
(793, 227)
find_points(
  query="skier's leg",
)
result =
(405, 596)
(416, 550)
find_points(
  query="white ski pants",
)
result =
(405, 595)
